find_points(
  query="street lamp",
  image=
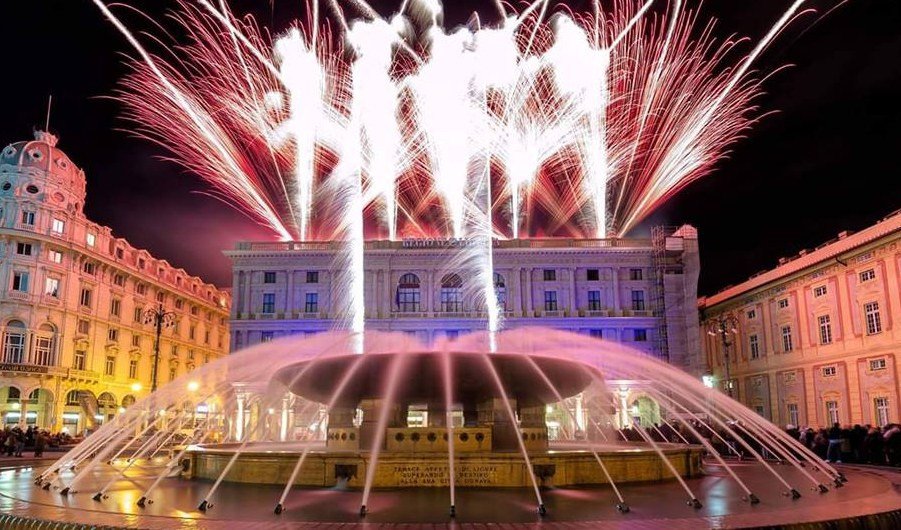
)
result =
(160, 318)
(724, 325)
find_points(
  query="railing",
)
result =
(287, 246)
(83, 374)
(18, 295)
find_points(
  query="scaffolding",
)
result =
(659, 235)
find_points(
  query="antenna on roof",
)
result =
(47, 122)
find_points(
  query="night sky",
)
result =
(827, 160)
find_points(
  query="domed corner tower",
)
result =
(36, 174)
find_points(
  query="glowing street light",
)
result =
(724, 326)
(160, 318)
(136, 387)
(193, 386)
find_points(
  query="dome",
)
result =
(40, 153)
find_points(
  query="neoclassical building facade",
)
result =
(76, 347)
(815, 341)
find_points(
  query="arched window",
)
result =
(13, 395)
(14, 342)
(451, 294)
(500, 291)
(107, 400)
(43, 346)
(128, 401)
(408, 296)
(72, 398)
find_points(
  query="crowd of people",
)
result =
(860, 444)
(15, 441)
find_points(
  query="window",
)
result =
(23, 249)
(782, 303)
(825, 325)
(867, 275)
(206, 337)
(268, 277)
(141, 289)
(877, 364)
(787, 339)
(133, 369)
(85, 297)
(758, 409)
(550, 300)
(206, 358)
(312, 303)
(874, 320)
(179, 304)
(596, 333)
(500, 291)
(110, 367)
(192, 332)
(190, 356)
(594, 300)
(880, 406)
(635, 274)
(14, 342)
(637, 300)
(832, 412)
(173, 373)
(594, 275)
(120, 253)
(119, 280)
(752, 314)
(312, 276)
(84, 326)
(550, 275)
(268, 303)
(754, 346)
(55, 256)
(407, 297)
(43, 349)
(139, 315)
(89, 267)
(90, 239)
(58, 226)
(794, 418)
(51, 287)
(160, 297)
(20, 281)
(451, 294)
(640, 335)
(829, 371)
(789, 377)
(267, 336)
(115, 307)
(142, 263)
(136, 341)
(28, 218)
(194, 310)
(819, 291)
(113, 335)
(78, 361)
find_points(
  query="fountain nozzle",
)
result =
(542, 511)
(98, 497)
(279, 508)
(695, 503)
(141, 502)
(204, 506)
(453, 511)
(363, 510)
(622, 507)
(752, 499)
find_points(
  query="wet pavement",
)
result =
(659, 505)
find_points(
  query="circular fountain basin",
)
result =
(424, 377)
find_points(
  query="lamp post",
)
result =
(723, 326)
(160, 318)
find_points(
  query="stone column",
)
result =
(430, 291)
(389, 293)
(289, 294)
(616, 293)
(236, 289)
(572, 293)
(530, 307)
(514, 290)
(23, 411)
(239, 418)
(248, 304)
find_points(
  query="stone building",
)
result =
(75, 348)
(814, 341)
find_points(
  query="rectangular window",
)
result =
(635, 274)
(90, 239)
(267, 336)
(754, 346)
(783, 303)
(142, 263)
(268, 277)
(550, 275)
(58, 226)
(55, 256)
(20, 281)
(120, 253)
(752, 314)
(194, 310)
(206, 337)
(89, 267)
(819, 291)
(874, 319)
(51, 287)
(14, 346)
(141, 289)
(191, 356)
(594, 300)
(84, 326)
(115, 307)
(594, 275)
(550, 300)
(829, 371)
(867, 275)
(596, 333)
(268, 303)
(312, 303)
(637, 300)
(832, 412)
(86, 296)
(110, 367)
(877, 364)
(23, 249)
(206, 358)
(119, 280)
(179, 304)
(794, 417)
(173, 373)
(133, 369)
(192, 332)
(160, 297)
(28, 218)
(789, 377)
(640, 335)
(312, 276)
(113, 335)
(136, 341)
(758, 409)
(880, 406)
(78, 361)
(825, 329)
(43, 350)
(787, 339)
(139, 315)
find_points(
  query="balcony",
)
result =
(84, 375)
(18, 295)
(25, 226)
(595, 313)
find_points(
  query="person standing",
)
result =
(40, 441)
(834, 452)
